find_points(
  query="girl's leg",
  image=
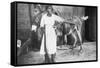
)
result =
(53, 58)
(47, 58)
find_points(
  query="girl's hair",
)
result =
(49, 6)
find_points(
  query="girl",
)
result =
(49, 39)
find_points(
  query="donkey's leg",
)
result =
(80, 48)
(74, 45)
(79, 35)
(80, 39)
(65, 39)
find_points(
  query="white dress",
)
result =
(51, 40)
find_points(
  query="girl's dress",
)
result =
(51, 38)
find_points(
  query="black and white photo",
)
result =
(53, 33)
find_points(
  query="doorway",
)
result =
(91, 24)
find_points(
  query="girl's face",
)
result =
(49, 10)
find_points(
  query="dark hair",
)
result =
(49, 6)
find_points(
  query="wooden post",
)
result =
(30, 14)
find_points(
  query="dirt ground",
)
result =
(63, 55)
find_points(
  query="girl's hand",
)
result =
(34, 27)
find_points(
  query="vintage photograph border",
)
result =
(14, 33)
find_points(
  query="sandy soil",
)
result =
(63, 55)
